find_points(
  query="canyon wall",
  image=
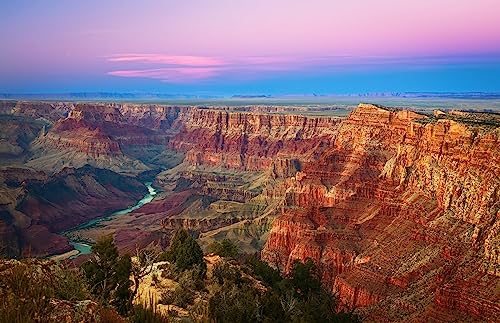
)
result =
(394, 201)
(249, 141)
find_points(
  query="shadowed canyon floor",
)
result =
(399, 209)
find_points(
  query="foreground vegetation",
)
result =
(232, 289)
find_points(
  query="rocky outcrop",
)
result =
(36, 110)
(16, 135)
(95, 135)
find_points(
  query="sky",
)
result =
(227, 47)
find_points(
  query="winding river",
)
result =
(84, 248)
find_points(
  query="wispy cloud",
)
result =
(185, 69)
(170, 74)
(179, 69)
(168, 59)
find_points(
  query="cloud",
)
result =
(182, 69)
(168, 59)
(170, 74)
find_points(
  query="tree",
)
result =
(142, 265)
(108, 274)
(262, 270)
(224, 248)
(176, 242)
(311, 302)
(185, 252)
(235, 298)
(305, 277)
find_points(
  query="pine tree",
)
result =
(108, 274)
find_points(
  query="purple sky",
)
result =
(259, 46)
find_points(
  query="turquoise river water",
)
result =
(85, 248)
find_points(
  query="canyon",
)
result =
(399, 209)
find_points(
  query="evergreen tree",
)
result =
(108, 274)
(224, 248)
(185, 252)
(305, 277)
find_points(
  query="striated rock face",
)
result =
(16, 134)
(398, 196)
(95, 135)
(248, 141)
(35, 110)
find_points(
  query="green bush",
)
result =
(233, 303)
(305, 277)
(191, 279)
(223, 272)
(71, 285)
(27, 287)
(185, 253)
(224, 248)
(263, 271)
(24, 296)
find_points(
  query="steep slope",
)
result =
(86, 137)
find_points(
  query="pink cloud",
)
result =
(185, 68)
(180, 69)
(169, 59)
(170, 74)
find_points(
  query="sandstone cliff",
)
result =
(386, 209)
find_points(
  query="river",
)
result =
(84, 248)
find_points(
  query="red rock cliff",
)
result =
(393, 198)
(250, 141)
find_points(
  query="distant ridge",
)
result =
(98, 96)
(240, 96)
(164, 96)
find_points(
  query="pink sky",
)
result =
(189, 40)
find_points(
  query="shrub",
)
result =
(185, 252)
(305, 277)
(234, 304)
(180, 296)
(109, 275)
(27, 288)
(71, 285)
(24, 296)
(224, 248)
(168, 271)
(144, 314)
(263, 271)
(223, 272)
(192, 278)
